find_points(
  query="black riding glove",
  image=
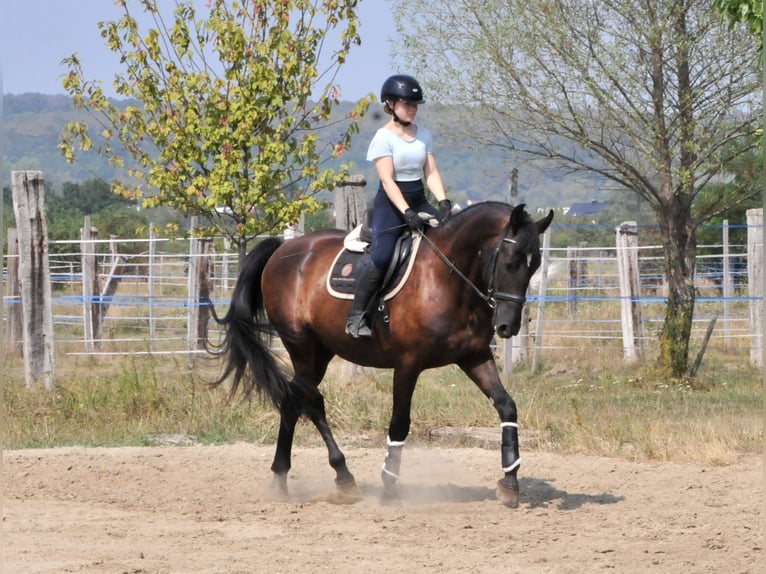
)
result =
(445, 210)
(412, 219)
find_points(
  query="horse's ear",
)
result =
(543, 224)
(518, 217)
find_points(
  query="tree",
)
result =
(90, 196)
(749, 11)
(656, 96)
(110, 213)
(227, 111)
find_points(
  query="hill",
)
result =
(33, 123)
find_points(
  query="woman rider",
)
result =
(403, 157)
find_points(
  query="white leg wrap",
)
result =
(503, 425)
(394, 442)
(514, 465)
(389, 473)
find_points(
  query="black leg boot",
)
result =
(357, 324)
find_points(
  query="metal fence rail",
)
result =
(582, 297)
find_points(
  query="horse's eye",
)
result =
(513, 264)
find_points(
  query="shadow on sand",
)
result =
(535, 493)
(540, 493)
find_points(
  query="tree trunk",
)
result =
(680, 247)
(674, 209)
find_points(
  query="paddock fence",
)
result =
(144, 296)
(110, 297)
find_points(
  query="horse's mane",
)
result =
(482, 205)
(475, 210)
(527, 237)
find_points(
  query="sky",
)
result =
(35, 35)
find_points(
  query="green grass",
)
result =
(627, 412)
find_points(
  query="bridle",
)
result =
(492, 271)
(492, 296)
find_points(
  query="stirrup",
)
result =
(358, 327)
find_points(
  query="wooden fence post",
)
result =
(150, 280)
(28, 189)
(350, 202)
(516, 349)
(200, 262)
(350, 209)
(113, 280)
(726, 283)
(755, 283)
(630, 303)
(541, 304)
(225, 265)
(14, 336)
(90, 286)
(578, 271)
(3, 337)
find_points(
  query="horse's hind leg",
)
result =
(310, 362)
(344, 480)
(289, 413)
(308, 401)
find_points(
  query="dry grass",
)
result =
(571, 407)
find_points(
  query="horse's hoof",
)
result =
(279, 488)
(507, 492)
(390, 495)
(347, 493)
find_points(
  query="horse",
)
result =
(468, 284)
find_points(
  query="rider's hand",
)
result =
(412, 219)
(445, 210)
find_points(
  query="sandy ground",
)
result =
(210, 509)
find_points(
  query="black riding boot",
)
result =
(367, 283)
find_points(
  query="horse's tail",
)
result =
(248, 334)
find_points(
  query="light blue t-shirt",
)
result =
(409, 156)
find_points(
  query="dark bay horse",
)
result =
(469, 282)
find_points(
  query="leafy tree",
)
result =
(227, 110)
(319, 220)
(91, 196)
(655, 96)
(109, 213)
(745, 172)
(748, 11)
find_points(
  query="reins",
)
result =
(488, 299)
(491, 296)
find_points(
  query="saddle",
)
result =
(341, 280)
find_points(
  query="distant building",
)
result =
(590, 208)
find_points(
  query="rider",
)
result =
(403, 156)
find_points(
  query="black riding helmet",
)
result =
(401, 88)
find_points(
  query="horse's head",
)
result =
(514, 260)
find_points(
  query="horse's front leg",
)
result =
(398, 429)
(487, 378)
